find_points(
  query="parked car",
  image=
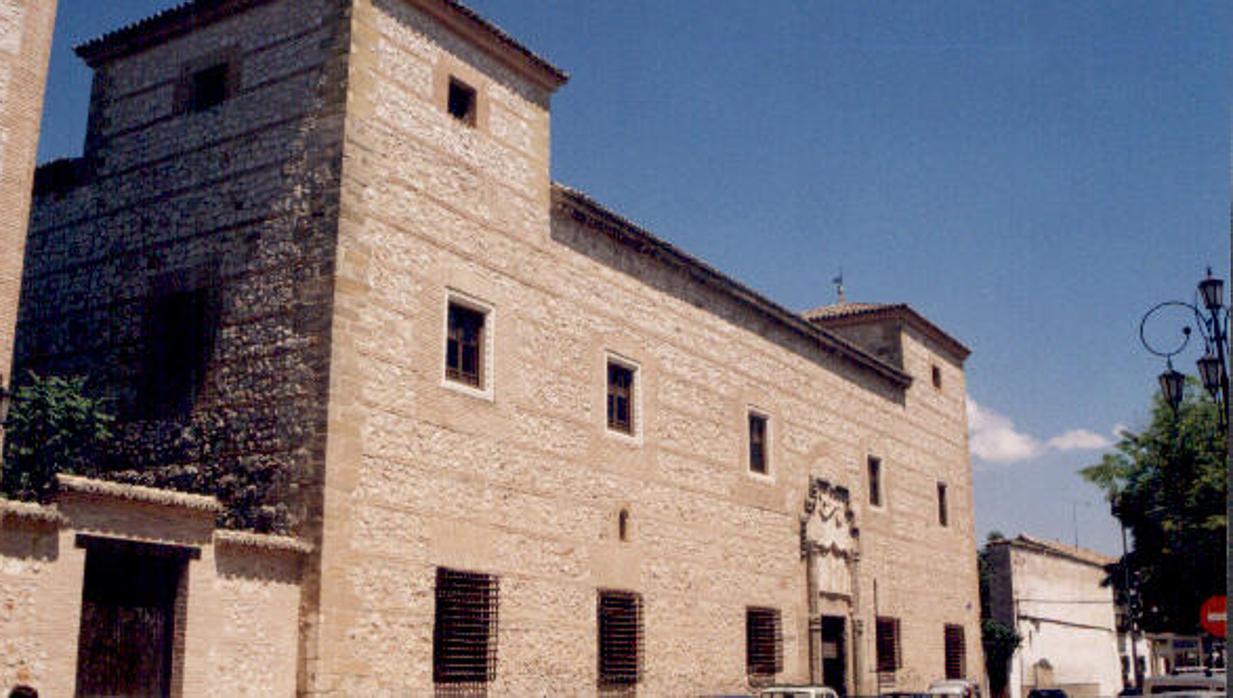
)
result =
(1175, 684)
(955, 688)
(798, 692)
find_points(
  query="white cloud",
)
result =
(1079, 440)
(995, 439)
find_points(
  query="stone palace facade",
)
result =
(491, 437)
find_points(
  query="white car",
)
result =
(798, 692)
(955, 688)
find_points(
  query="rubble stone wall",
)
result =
(239, 198)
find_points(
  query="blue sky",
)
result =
(1030, 176)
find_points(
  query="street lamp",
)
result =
(1212, 322)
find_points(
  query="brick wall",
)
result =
(25, 47)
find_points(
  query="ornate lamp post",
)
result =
(1212, 321)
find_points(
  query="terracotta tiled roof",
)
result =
(848, 309)
(190, 15)
(1081, 554)
(845, 314)
(596, 216)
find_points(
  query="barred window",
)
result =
(464, 632)
(887, 635)
(757, 443)
(763, 642)
(620, 398)
(464, 349)
(956, 653)
(620, 637)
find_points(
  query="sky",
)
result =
(1032, 177)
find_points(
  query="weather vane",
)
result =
(838, 281)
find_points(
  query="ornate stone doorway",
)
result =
(829, 546)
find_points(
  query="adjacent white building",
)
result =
(1054, 595)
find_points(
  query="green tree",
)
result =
(1167, 486)
(54, 425)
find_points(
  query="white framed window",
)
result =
(468, 332)
(623, 397)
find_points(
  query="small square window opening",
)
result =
(620, 398)
(757, 444)
(461, 104)
(464, 348)
(208, 87)
(937, 377)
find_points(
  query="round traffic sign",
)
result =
(1213, 615)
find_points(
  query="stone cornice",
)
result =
(262, 541)
(586, 211)
(29, 511)
(494, 41)
(136, 493)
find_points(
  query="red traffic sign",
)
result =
(1213, 615)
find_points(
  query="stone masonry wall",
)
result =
(25, 47)
(523, 481)
(240, 198)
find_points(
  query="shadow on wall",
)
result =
(33, 541)
(273, 566)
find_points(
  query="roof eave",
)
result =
(586, 210)
(194, 14)
(901, 311)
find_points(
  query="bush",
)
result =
(54, 425)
